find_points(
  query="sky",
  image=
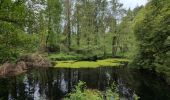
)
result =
(132, 3)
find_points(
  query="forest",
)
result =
(76, 37)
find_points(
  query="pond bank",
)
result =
(23, 64)
(36, 60)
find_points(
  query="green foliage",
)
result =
(54, 9)
(136, 97)
(81, 93)
(112, 93)
(88, 30)
(7, 54)
(127, 43)
(24, 44)
(14, 41)
(152, 31)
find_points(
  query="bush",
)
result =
(82, 93)
(14, 41)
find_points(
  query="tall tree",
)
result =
(117, 13)
(68, 23)
(54, 10)
(13, 33)
(152, 31)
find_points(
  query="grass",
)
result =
(111, 62)
(63, 56)
(74, 56)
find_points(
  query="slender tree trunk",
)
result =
(96, 26)
(78, 27)
(68, 7)
(78, 35)
(114, 49)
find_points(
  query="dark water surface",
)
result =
(53, 84)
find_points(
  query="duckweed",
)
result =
(111, 62)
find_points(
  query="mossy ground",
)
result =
(111, 62)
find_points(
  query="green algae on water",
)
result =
(111, 62)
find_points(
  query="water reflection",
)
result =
(54, 84)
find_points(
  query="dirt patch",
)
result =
(35, 60)
(24, 63)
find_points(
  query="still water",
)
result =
(54, 84)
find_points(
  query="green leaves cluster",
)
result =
(152, 30)
(81, 93)
(13, 38)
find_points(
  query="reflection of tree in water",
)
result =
(53, 84)
(63, 84)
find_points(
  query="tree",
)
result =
(152, 31)
(13, 36)
(117, 13)
(53, 17)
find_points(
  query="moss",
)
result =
(112, 62)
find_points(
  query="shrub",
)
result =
(82, 93)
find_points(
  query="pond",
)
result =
(55, 83)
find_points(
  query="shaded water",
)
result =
(53, 84)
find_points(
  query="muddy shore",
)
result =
(23, 64)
